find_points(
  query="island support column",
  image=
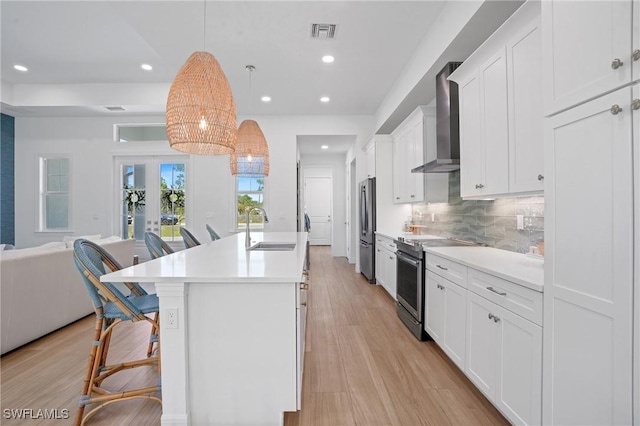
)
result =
(174, 355)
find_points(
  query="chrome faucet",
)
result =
(247, 240)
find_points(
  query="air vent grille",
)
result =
(323, 31)
(115, 108)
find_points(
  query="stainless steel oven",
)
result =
(410, 280)
(410, 287)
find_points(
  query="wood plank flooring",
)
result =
(362, 366)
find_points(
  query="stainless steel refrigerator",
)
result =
(367, 228)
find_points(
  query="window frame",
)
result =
(43, 193)
(236, 193)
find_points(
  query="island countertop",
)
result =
(225, 260)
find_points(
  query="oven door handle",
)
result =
(407, 259)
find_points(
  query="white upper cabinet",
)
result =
(587, 49)
(500, 90)
(526, 156)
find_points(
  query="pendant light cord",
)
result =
(204, 28)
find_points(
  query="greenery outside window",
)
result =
(54, 193)
(250, 193)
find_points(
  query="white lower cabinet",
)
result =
(499, 350)
(386, 264)
(301, 324)
(504, 359)
(446, 313)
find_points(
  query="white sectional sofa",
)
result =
(41, 289)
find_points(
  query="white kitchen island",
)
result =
(231, 330)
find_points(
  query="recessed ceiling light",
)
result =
(146, 67)
(266, 99)
(324, 99)
(325, 147)
(21, 68)
(328, 59)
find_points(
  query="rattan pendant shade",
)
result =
(251, 156)
(201, 112)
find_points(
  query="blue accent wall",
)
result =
(7, 180)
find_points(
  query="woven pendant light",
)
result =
(201, 112)
(251, 156)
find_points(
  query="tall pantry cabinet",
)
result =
(591, 297)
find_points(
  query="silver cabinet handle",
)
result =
(496, 291)
(616, 63)
(540, 177)
(615, 109)
(479, 186)
(635, 104)
(636, 54)
(412, 196)
(442, 267)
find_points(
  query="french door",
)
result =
(151, 196)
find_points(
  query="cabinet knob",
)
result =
(496, 319)
(303, 304)
(635, 104)
(412, 196)
(636, 54)
(397, 198)
(490, 316)
(615, 109)
(616, 63)
(479, 186)
(391, 258)
(540, 177)
(304, 286)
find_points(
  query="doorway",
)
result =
(318, 205)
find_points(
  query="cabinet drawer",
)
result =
(450, 270)
(386, 243)
(520, 300)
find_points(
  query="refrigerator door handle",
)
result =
(364, 214)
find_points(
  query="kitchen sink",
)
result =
(272, 246)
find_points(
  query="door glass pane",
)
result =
(133, 201)
(172, 200)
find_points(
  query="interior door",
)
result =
(151, 196)
(318, 201)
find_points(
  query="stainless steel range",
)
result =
(410, 279)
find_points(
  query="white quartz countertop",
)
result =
(408, 235)
(514, 267)
(224, 260)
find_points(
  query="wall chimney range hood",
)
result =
(447, 125)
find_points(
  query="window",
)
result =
(250, 193)
(54, 193)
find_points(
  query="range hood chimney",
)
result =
(447, 125)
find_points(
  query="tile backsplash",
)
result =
(492, 222)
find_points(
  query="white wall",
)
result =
(89, 142)
(336, 164)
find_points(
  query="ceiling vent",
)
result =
(323, 31)
(115, 108)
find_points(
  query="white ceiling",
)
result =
(75, 47)
(311, 146)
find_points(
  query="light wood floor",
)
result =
(362, 367)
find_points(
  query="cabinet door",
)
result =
(470, 138)
(524, 57)
(519, 363)
(415, 158)
(581, 41)
(380, 266)
(390, 259)
(371, 161)
(455, 322)
(495, 151)
(398, 167)
(636, 292)
(482, 344)
(636, 52)
(434, 307)
(588, 275)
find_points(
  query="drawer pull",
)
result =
(496, 291)
(442, 267)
